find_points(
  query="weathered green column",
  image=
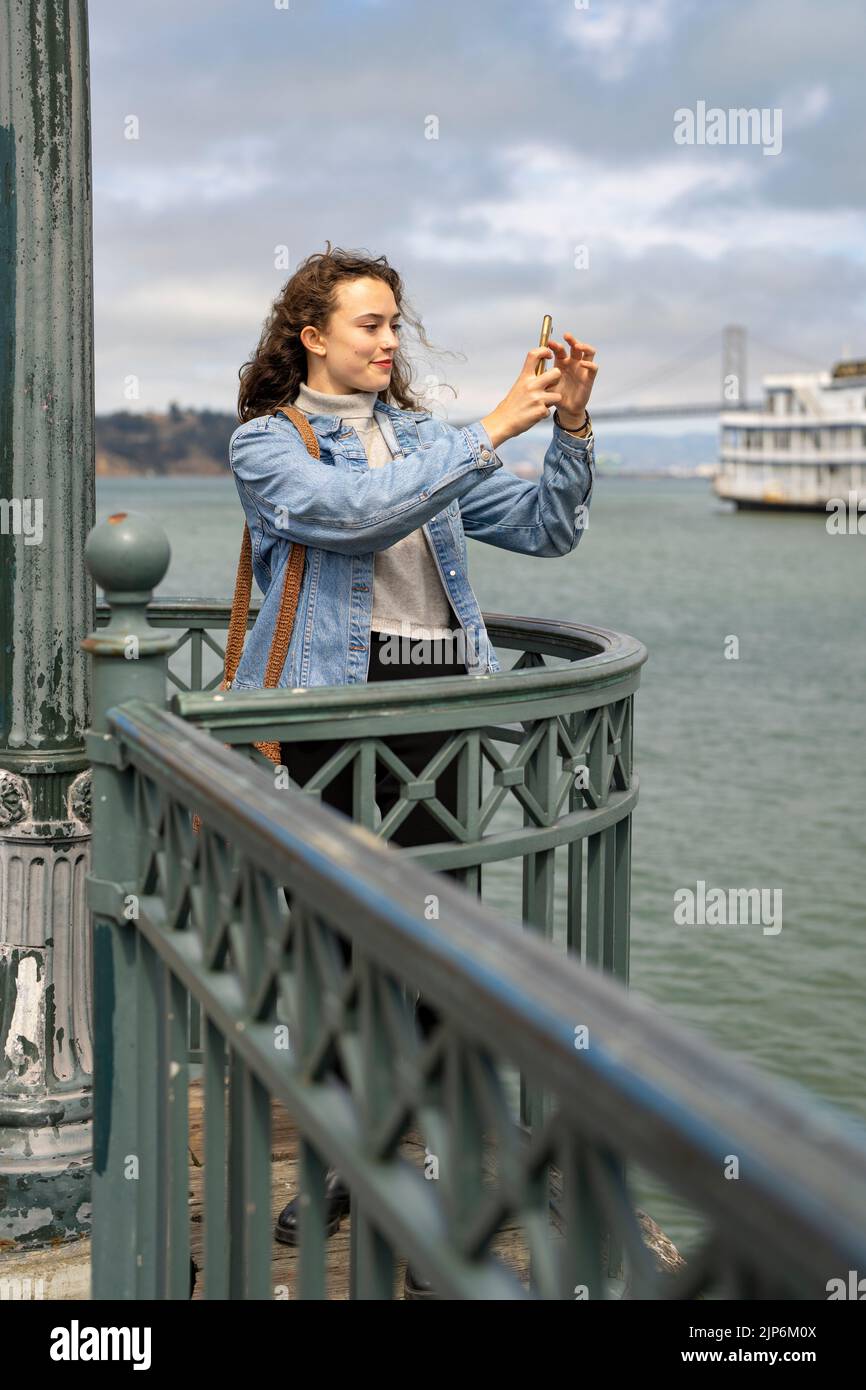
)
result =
(46, 608)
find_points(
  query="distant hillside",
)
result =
(196, 441)
(151, 445)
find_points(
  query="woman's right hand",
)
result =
(528, 401)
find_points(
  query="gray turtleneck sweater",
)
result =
(406, 583)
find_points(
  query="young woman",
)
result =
(384, 513)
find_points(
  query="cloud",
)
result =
(806, 108)
(261, 129)
(170, 303)
(227, 172)
(613, 36)
(689, 200)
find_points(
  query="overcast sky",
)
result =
(261, 127)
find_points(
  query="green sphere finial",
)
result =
(127, 553)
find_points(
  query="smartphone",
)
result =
(543, 364)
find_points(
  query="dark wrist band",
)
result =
(582, 432)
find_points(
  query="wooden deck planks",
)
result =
(509, 1245)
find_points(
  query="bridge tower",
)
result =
(734, 384)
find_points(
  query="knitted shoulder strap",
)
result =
(288, 603)
(291, 585)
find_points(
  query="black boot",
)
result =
(337, 1206)
(414, 1286)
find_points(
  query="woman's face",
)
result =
(355, 349)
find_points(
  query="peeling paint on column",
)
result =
(21, 1040)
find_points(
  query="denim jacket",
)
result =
(448, 480)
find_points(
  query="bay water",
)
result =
(749, 743)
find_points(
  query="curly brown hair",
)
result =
(274, 373)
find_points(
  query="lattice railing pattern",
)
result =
(247, 916)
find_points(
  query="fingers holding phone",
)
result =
(566, 384)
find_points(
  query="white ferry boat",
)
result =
(806, 447)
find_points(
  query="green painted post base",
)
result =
(45, 988)
(44, 1207)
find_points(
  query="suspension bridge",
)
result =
(729, 352)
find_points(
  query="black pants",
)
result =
(303, 760)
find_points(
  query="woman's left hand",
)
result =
(578, 374)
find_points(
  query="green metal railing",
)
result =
(180, 917)
(544, 758)
(544, 755)
(280, 1005)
